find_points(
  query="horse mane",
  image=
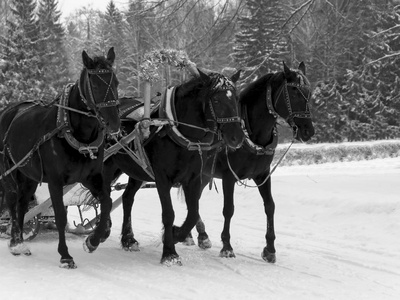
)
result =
(252, 91)
(255, 88)
(189, 87)
(100, 62)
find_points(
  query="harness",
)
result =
(92, 104)
(63, 123)
(291, 115)
(282, 92)
(167, 111)
(63, 128)
(63, 117)
(168, 117)
(270, 148)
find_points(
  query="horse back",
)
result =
(23, 127)
(24, 123)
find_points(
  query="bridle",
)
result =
(221, 83)
(283, 95)
(90, 101)
(63, 119)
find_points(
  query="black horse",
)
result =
(285, 94)
(60, 143)
(206, 108)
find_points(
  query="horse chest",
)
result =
(71, 165)
(244, 164)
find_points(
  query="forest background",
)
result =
(351, 50)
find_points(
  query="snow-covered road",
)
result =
(337, 228)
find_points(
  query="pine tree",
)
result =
(223, 38)
(262, 43)
(53, 59)
(19, 48)
(141, 36)
(376, 105)
(115, 37)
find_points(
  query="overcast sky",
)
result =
(68, 6)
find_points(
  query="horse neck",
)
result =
(190, 111)
(84, 128)
(260, 121)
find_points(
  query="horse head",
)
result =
(222, 107)
(291, 101)
(98, 89)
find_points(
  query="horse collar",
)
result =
(167, 111)
(270, 106)
(268, 149)
(66, 130)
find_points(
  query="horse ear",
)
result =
(235, 77)
(203, 76)
(302, 68)
(87, 61)
(111, 55)
(286, 70)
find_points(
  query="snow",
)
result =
(337, 227)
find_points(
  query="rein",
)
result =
(291, 115)
(28, 156)
(63, 122)
(167, 113)
(242, 182)
(289, 119)
(63, 128)
(85, 113)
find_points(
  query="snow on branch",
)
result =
(383, 57)
(153, 60)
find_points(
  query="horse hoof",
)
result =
(268, 256)
(18, 249)
(205, 244)
(67, 263)
(227, 254)
(87, 246)
(189, 241)
(172, 260)
(132, 247)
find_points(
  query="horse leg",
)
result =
(18, 204)
(202, 239)
(192, 195)
(16, 242)
(102, 193)
(189, 241)
(268, 253)
(228, 186)
(128, 241)
(60, 214)
(169, 256)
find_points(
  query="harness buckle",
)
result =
(91, 150)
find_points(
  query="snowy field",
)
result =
(338, 237)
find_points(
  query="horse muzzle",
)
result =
(232, 135)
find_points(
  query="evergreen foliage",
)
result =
(261, 42)
(19, 49)
(351, 50)
(53, 63)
